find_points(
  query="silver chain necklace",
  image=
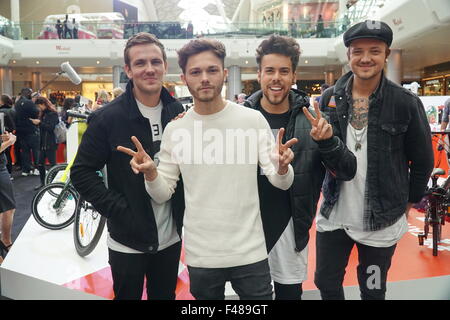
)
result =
(358, 136)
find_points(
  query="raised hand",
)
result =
(179, 116)
(283, 152)
(321, 129)
(140, 162)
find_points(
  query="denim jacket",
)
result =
(399, 151)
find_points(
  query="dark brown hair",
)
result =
(283, 45)
(6, 100)
(139, 39)
(48, 105)
(196, 46)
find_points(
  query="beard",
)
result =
(202, 97)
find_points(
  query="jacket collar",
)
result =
(297, 99)
(131, 105)
(344, 84)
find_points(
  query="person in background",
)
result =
(6, 106)
(102, 99)
(48, 119)
(68, 104)
(67, 34)
(7, 201)
(76, 26)
(241, 98)
(323, 87)
(28, 131)
(117, 92)
(59, 29)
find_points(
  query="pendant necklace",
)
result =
(358, 136)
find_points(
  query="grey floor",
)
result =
(23, 192)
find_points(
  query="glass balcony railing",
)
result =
(172, 30)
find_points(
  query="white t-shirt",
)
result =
(288, 266)
(222, 220)
(348, 211)
(167, 232)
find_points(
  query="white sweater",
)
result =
(222, 221)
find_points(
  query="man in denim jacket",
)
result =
(386, 128)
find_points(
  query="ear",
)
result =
(166, 68)
(259, 76)
(388, 52)
(294, 79)
(128, 71)
(225, 73)
(183, 78)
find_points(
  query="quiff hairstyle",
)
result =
(139, 39)
(197, 46)
(283, 45)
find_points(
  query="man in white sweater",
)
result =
(217, 148)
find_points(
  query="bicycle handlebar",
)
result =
(77, 115)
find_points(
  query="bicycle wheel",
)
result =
(88, 228)
(54, 212)
(436, 237)
(53, 172)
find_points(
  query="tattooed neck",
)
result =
(359, 116)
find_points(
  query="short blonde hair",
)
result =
(117, 92)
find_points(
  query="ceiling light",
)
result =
(246, 61)
(98, 62)
(306, 61)
(37, 62)
(14, 61)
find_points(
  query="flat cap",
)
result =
(369, 29)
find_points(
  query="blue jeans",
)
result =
(251, 282)
(29, 143)
(333, 250)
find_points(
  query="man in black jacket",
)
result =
(144, 237)
(287, 215)
(27, 131)
(385, 126)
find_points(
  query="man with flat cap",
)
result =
(386, 128)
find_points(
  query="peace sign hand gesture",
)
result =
(283, 152)
(141, 162)
(321, 129)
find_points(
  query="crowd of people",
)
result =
(68, 29)
(29, 121)
(247, 222)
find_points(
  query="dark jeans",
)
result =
(288, 291)
(333, 249)
(160, 269)
(29, 143)
(46, 154)
(251, 282)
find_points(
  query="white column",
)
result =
(116, 76)
(15, 11)
(234, 82)
(36, 81)
(6, 86)
(395, 66)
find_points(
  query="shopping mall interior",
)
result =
(32, 50)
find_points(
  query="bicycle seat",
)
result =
(437, 172)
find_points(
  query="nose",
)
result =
(149, 68)
(366, 57)
(204, 77)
